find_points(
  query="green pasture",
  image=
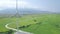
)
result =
(46, 24)
(39, 23)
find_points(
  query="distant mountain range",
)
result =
(23, 11)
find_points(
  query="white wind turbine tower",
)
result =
(17, 15)
(17, 21)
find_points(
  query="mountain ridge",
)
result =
(23, 11)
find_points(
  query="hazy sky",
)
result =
(45, 5)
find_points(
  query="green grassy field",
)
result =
(39, 23)
(46, 24)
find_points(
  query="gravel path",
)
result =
(17, 31)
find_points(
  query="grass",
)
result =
(2, 24)
(49, 23)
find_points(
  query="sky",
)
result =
(45, 5)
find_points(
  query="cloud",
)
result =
(12, 4)
(7, 4)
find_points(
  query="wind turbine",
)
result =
(17, 21)
(17, 15)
